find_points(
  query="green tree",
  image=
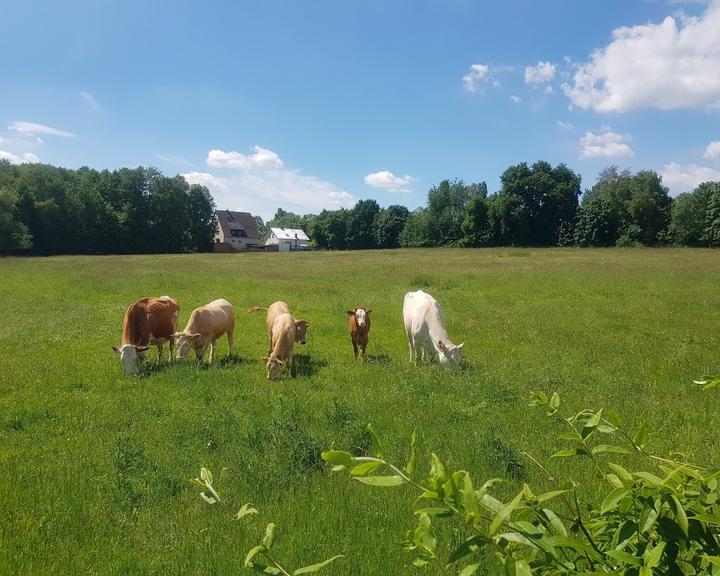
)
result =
(389, 224)
(14, 235)
(688, 215)
(477, 228)
(597, 223)
(711, 235)
(360, 222)
(201, 228)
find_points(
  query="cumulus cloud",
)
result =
(33, 129)
(713, 150)
(605, 144)
(472, 79)
(387, 180)
(567, 126)
(515, 99)
(679, 178)
(259, 183)
(543, 72)
(27, 158)
(260, 158)
(670, 65)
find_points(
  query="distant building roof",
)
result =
(229, 220)
(290, 234)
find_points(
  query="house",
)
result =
(236, 229)
(287, 239)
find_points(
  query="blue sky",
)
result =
(316, 104)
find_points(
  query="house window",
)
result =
(238, 232)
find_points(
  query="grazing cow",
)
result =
(425, 329)
(147, 321)
(282, 341)
(206, 324)
(359, 326)
(275, 309)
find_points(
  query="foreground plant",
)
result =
(665, 520)
(259, 558)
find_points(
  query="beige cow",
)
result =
(273, 311)
(282, 341)
(206, 324)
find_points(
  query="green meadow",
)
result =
(95, 467)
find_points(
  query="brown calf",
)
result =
(359, 326)
(282, 340)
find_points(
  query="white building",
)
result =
(236, 229)
(287, 239)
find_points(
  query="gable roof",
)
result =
(233, 220)
(289, 234)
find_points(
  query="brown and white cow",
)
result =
(147, 321)
(359, 326)
(206, 324)
(273, 311)
(282, 340)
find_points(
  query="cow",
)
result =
(206, 324)
(359, 326)
(147, 321)
(425, 330)
(282, 340)
(275, 309)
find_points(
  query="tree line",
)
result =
(537, 205)
(48, 210)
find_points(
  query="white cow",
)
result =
(206, 324)
(425, 329)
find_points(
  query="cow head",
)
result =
(449, 354)
(362, 316)
(131, 356)
(301, 327)
(184, 342)
(274, 365)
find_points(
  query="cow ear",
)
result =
(460, 345)
(441, 345)
(266, 358)
(368, 311)
(351, 312)
(195, 337)
(176, 334)
(116, 349)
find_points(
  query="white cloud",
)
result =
(567, 126)
(670, 65)
(477, 73)
(712, 150)
(543, 72)
(679, 178)
(260, 158)
(605, 144)
(27, 158)
(90, 100)
(259, 183)
(387, 180)
(515, 99)
(32, 129)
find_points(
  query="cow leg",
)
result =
(412, 348)
(212, 351)
(363, 346)
(355, 348)
(160, 351)
(270, 344)
(171, 342)
(230, 341)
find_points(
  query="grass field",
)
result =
(94, 466)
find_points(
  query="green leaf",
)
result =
(591, 424)
(624, 557)
(208, 499)
(641, 436)
(470, 545)
(365, 467)
(381, 480)
(410, 466)
(570, 452)
(269, 537)
(245, 510)
(423, 535)
(433, 512)
(517, 567)
(550, 495)
(469, 496)
(651, 479)
(206, 475)
(469, 570)
(601, 448)
(375, 440)
(612, 499)
(679, 513)
(316, 567)
(555, 522)
(254, 552)
(555, 401)
(652, 556)
(647, 519)
(338, 458)
(624, 474)
(420, 562)
(504, 513)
